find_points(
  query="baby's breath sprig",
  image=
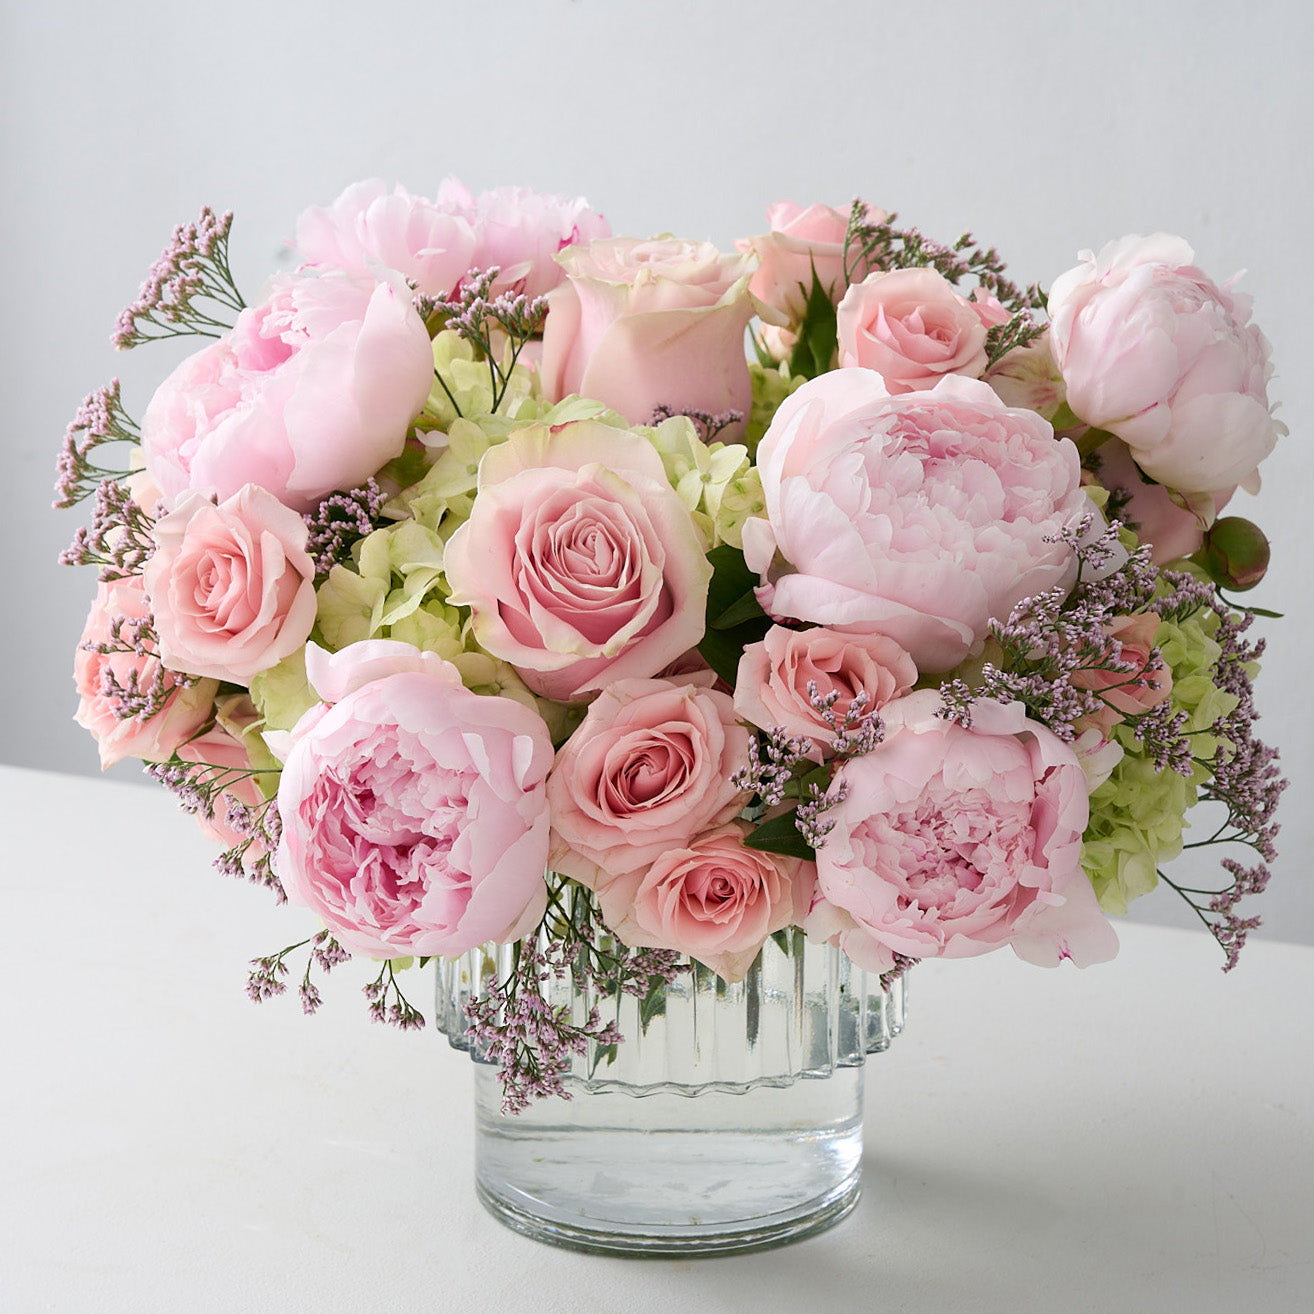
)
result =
(189, 289)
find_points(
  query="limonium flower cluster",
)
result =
(475, 587)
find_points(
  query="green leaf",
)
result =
(780, 835)
(817, 336)
(653, 1004)
(734, 618)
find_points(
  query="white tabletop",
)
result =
(1135, 1137)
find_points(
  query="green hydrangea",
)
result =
(463, 379)
(771, 385)
(1137, 816)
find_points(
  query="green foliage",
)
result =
(734, 617)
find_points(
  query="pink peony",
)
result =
(711, 898)
(579, 562)
(366, 230)
(313, 390)
(232, 586)
(1155, 352)
(1171, 531)
(772, 685)
(414, 814)
(912, 328)
(646, 323)
(920, 516)
(1135, 638)
(954, 842)
(521, 232)
(803, 245)
(648, 769)
(103, 678)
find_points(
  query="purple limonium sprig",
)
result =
(772, 756)
(189, 289)
(266, 978)
(341, 520)
(902, 966)
(476, 316)
(387, 1002)
(860, 729)
(871, 245)
(202, 788)
(120, 538)
(138, 698)
(707, 423)
(100, 420)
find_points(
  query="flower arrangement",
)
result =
(475, 584)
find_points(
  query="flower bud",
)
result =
(1235, 553)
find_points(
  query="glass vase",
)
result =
(728, 1119)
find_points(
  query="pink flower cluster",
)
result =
(701, 679)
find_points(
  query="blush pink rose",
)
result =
(366, 230)
(640, 324)
(1171, 531)
(954, 842)
(521, 232)
(313, 390)
(1154, 351)
(804, 244)
(648, 769)
(712, 899)
(771, 688)
(1122, 696)
(232, 586)
(414, 814)
(912, 328)
(102, 678)
(920, 516)
(579, 562)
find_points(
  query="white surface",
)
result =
(1140, 1136)
(1042, 127)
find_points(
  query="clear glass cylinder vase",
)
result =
(728, 1119)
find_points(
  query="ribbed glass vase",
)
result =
(729, 1119)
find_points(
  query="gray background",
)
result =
(1042, 128)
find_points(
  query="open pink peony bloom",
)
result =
(366, 229)
(648, 768)
(954, 842)
(920, 516)
(151, 736)
(774, 676)
(313, 390)
(711, 898)
(414, 814)
(1154, 351)
(232, 586)
(640, 324)
(912, 328)
(579, 562)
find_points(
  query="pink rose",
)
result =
(643, 324)
(912, 328)
(112, 685)
(521, 232)
(222, 746)
(1155, 352)
(232, 586)
(772, 685)
(1122, 696)
(954, 842)
(920, 516)
(712, 899)
(366, 230)
(313, 390)
(648, 769)
(1171, 531)
(414, 814)
(579, 561)
(802, 244)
